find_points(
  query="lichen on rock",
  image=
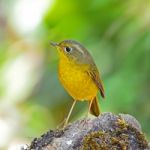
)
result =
(106, 132)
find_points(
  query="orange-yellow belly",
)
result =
(76, 81)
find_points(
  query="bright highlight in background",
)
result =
(28, 14)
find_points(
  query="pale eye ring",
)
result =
(68, 49)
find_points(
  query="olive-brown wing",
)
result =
(94, 74)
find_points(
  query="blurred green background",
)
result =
(32, 100)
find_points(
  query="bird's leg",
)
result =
(90, 104)
(85, 121)
(69, 114)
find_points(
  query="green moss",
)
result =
(121, 137)
(91, 143)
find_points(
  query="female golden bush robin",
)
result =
(79, 74)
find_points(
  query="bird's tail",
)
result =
(95, 109)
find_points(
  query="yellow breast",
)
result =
(76, 80)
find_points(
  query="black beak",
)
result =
(53, 44)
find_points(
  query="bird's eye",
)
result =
(68, 49)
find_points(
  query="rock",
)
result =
(106, 132)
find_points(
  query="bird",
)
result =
(79, 75)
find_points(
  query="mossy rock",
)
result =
(106, 132)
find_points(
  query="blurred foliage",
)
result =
(117, 34)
